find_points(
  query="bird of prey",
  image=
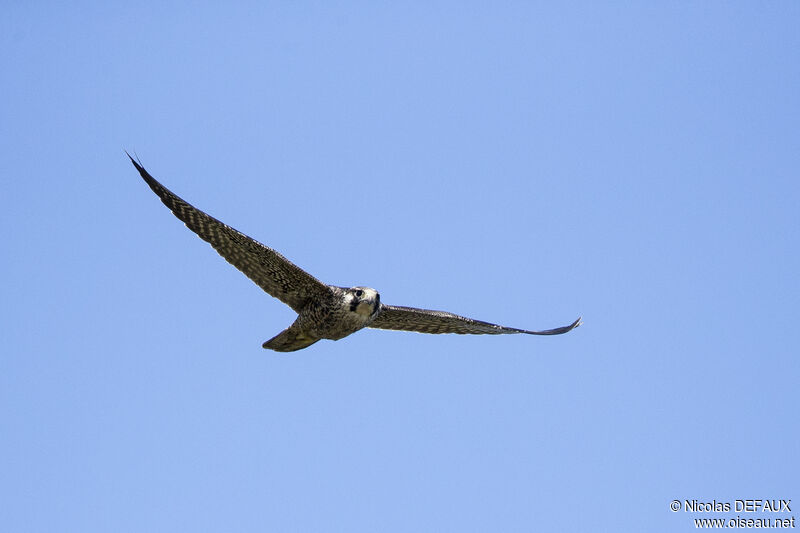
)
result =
(324, 311)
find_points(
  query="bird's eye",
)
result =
(359, 293)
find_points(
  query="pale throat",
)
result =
(364, 308)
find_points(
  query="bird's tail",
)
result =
(290, 340)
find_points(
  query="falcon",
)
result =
(323, 311)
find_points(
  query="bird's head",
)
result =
(363, 300)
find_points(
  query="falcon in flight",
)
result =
(324, 311)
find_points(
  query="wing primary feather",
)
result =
(266, 267)
(429, 321)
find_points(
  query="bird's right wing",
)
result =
(427, 321)
(267, 268)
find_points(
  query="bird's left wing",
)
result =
(427, 321)
(267, 268)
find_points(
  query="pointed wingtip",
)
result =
(572, 326)
(134, 161)
(556, 331)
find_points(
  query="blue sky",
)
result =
(521, 163)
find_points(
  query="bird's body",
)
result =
(324, 311)
(335, 316)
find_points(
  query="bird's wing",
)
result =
(426, 321)
(267, 268)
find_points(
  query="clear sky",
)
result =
(634, 163)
